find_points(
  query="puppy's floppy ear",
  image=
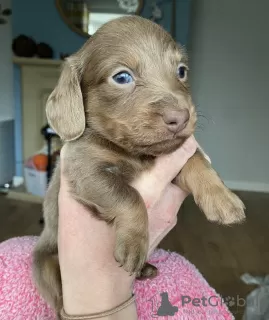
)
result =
(64, 109)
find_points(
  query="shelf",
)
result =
(21, 194)
(36, 61)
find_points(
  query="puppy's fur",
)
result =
(113, 132)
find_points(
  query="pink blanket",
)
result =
(179, 292)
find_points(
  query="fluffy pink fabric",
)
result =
(19, 299)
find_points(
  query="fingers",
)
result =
(163, 216)
(166, 209)
(168, 166)
(152, 183)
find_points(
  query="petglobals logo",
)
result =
(161, 305)
(213, 301)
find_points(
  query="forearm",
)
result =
(106, 297)
(92, 280)
(105, 292)
(95, 296)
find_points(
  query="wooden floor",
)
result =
(222, 254)
(18, 218)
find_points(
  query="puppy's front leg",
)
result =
(217, 202)
(111, 199)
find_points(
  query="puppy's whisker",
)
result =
(201, 118)
(200, 114)
(200, 128)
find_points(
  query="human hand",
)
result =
(91, 278)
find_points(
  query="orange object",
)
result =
(40, 162)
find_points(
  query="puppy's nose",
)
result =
(176, 120)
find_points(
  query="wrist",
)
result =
(123, 311)
(103, 292)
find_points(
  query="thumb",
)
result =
(163, 216)
(151, 184)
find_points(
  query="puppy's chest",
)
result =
(129, 169)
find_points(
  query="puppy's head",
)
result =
(128, 83)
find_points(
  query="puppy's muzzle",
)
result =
(176, 121)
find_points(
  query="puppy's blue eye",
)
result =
(123, 77)
(182, 72)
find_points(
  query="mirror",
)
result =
(85, 17)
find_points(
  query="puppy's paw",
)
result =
(221, 205)
(148, 272)
(131, 250)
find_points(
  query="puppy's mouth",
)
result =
(162, 147)
(170, 141)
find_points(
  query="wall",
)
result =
(229, 49)
(41, 20)
(7, 167)
(6, 68)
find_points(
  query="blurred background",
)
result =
(228, 47)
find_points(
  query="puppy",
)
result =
(121, 101)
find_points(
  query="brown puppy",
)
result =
(121, 101)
